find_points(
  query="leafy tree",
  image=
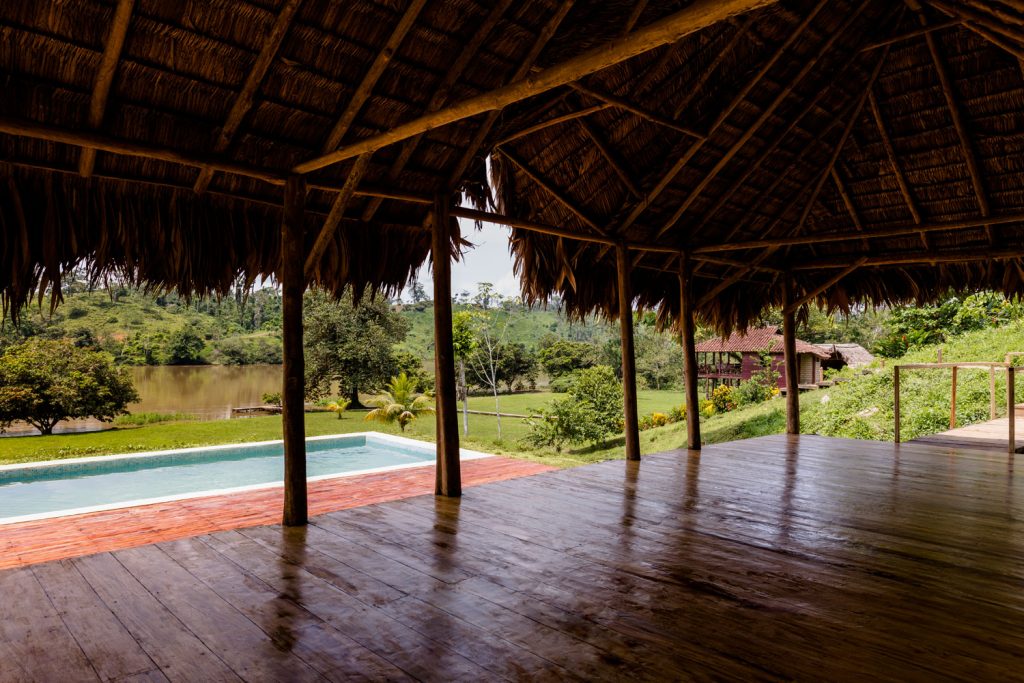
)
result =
(562, 356)
(589, 413)
(400, 403)
(351, 344)
(412, 365)
(658, 357)
(516, 364)
(491, 331)
(43, 382)
(464, 343)
(185, 346)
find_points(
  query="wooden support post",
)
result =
(992, 393)
(896, 401)
(791, 360)
(632, 424)
(1011, 407)
(952, 406)
(293, 395)
(449, 476)
(686, 332)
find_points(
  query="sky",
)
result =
(488, 260)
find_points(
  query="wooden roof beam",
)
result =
(881, 260)
(894, 162)
(966, 146)
(610, 157)
(105, 78)
(831, 282)
(924, 30)
(625, 104)
(667, 178)
(998, 32)
(442, 93)
(571, 116)
(751, 130)
(545, 36)
(554, 192)
(694, 17)
(247, 95)
(851, 208)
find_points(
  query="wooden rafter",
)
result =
(738, 36)
(751, 130)
(890, 152)
(831, 282)
(610, 157)
(571, 116)
(348, 115)
(879, 260)
(685, 158)
(442, 93)
(546, 34)
(892, 40)
(554, 192)
(247, 95)
(851, 208)
(975, 20)
(105, 78)
(625, 104)
(692, 18)
(966, 146)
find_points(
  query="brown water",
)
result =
(208, 392)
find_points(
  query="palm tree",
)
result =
(338, 406)
(400, 403)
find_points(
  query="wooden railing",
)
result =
(955, 367)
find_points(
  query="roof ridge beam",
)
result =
(105, 78)
(692, 18)
(247, 95)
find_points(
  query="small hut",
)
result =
(735, 359)
(845, 355)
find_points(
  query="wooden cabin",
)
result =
(736, 358)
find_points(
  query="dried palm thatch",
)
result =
(819, 124)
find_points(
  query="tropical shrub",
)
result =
(590, 412)
(400, 403)
(339, 407)
(722, 398)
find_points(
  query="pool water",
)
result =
(98, 483)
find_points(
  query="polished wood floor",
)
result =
(769, 559)
(24, 543)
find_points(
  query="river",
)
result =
(208, 392)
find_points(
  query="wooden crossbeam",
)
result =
(751, 130)
(442, 93)
(337, 213)
(831, 282)
(890, 152)
(924, 30)
(974, 19)
(932, 258)
(694, 17)
(484, 129)
(105, 78)
(247, 95)
(623, 103)
(610, 157)
(966, 146)
(543, 125)
(554, 192)
(851, 208)
(685, 158)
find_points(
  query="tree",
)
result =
(589, 413)
(464, 343)
(560, 356)
(400, 403)
(43, 382)
(185, 346)
(350, 344)
(516, 364)
(491, 329)
(658, 357)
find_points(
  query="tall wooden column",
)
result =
(791, 359)
(686, 332)
(449, 476)
(632, 425)
(293, 394)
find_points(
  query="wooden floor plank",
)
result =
(778, 558)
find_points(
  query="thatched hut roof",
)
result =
(813, 129)
(787, 122)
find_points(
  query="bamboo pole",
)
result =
(293, 397)
(896, 401)
(952, 406)
(791, 360)
(686, 333)
(448, 476)
(692, 18)
(629, 401)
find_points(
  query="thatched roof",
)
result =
(752, 128)
(756, 340)
(811, 130)
(854, 355)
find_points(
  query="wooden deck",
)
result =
(804, 558)
(990, 436)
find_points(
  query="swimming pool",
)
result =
(63, 487)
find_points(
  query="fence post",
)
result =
(952, 407)
(896, 399)
(1011, 407)
(992, 393)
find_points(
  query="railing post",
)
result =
(992, 393)
(1011, 407)
(952, 407)
(896, 401)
